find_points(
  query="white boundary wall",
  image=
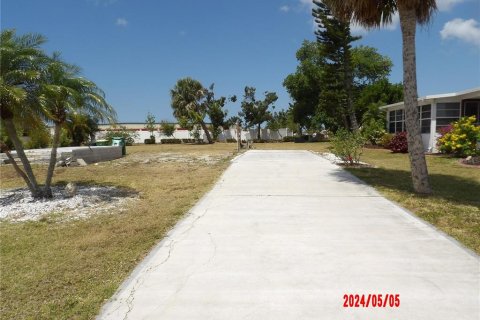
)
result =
(250, 134)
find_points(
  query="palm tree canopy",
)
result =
(64, 91)
(186, 96)
(375, 13)
(20, 64)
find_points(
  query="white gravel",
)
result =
(18, 205)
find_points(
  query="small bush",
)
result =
(348, 146)
(149, 141)
(231, 141)
(171, 141)
(188, 141)
(373, 131)
(259, 141)
(399, 143)
(288, 139)
(460, 138)
(386, 140)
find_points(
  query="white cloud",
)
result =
(121, 22)
(284, 8)
(465, 30)
(446, 5)
(394, 24)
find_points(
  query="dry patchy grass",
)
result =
(68, 270)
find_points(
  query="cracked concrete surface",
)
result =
(284, 235)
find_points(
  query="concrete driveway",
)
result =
(286, 235)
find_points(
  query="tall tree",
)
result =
(305, 84)
(20, 68)
(62, 92)
(336, 39)
(255, 112)
(150, 124)
(187, 102)
(80, 127)
(373, 14)
(216, 110)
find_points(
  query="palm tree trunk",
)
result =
(53, 161)
(12, 133)
(205, 129)
(418, 164)
(17, 168)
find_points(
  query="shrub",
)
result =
(167, 128)
(149, 141)
(170, 141)
(373, 131)
(386, 140)
(460, 138)
(288, 139)
(348, 146)
(399, 143)
(231, 141)
(40, 137)
(188, 140)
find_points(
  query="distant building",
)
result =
(180, 133)
(436, 112)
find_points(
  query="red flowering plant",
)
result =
(399, 143)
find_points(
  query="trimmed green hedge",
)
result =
(170, 141)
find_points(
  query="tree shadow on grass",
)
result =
(452, 188)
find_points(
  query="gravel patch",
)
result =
(147, 158)
(17, 204)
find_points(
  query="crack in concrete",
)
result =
(141, 279)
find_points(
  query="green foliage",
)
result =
(255, 112)
(386, 140)
(81, 128)
(373, 131)
(65, 140)
(348, 146)
(150, 125)
(369, 66)
(40, 137)
(216, 112)
(167, 128)
(122, 132)
(461, 138)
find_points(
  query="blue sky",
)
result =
(136, 50)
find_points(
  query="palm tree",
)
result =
(64, 92)
(20, 68)
(369, 13)
(187, 96)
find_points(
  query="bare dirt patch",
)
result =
(162, 157)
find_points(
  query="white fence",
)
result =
(250, 134)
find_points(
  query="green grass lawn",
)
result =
(68, 270)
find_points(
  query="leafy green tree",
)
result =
(216, 111)
(373, 14)
(337, 78)
(167, 128)
(280, 120)
(80, 128)
(150, 125)
(369, 66)
(255, 112)
(305, 85)
(187, 102)
(21, 59)
(62, 92)
(375, 95)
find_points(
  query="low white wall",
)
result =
(250, 134)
